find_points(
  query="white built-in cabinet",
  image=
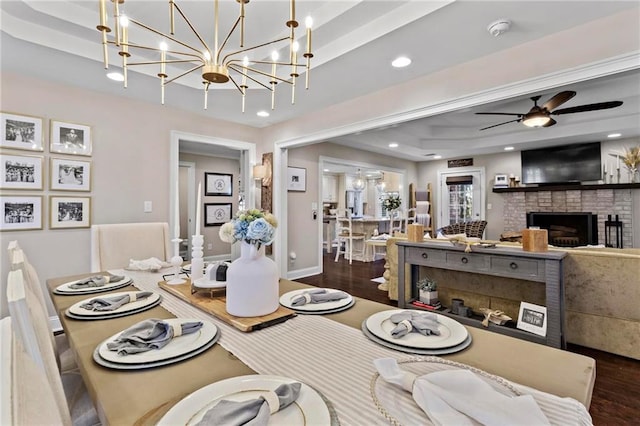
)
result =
(329, 188)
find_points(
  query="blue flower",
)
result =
(251, 226)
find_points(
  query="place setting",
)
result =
(97, 283)
(154, 342)
(317, 301)
(416, 332)
(113, 305)
(256, 399)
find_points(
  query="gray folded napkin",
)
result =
(96, 281)
(407, 322)
(149, 334)
(114, 302)
(254, 412)
(318, 296)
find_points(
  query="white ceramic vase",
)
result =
(252, 283)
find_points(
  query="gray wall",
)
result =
(130, 165)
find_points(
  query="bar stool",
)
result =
(346, 235)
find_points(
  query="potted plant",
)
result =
(427, 288)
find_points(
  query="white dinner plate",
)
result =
(285, 300)
(328, 311)
(452, 333)
(205, 283)
(77, 309)
(118, 366)
(308, 409)
(187, 267)
(65, 289)
(176, 347)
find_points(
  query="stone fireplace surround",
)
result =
(602, 202)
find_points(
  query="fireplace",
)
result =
(567, 229)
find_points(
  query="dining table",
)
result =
(329, 353)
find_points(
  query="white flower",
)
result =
(226, 233)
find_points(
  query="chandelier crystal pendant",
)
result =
(216, 65)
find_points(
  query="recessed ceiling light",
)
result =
(437, 157)
(614, 135)
(262, 114)
(325, 170)
(509, 148)
(115, 76)
(393, 145)
(401, 62)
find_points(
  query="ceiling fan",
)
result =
(540, 116)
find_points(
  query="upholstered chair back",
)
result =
(114, 245)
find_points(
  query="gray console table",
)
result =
(545, 267)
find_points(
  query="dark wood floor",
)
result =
(616, 396)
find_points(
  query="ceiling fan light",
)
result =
(536, 120)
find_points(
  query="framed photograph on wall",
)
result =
(21, 213)
(296, 179)
(218, 184)
(533, 318)
(70, 138)
(21, 171)
(70, 175)
(216, 214)
(21, 132)
(69, 212)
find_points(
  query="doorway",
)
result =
(212, 146)
(461, 195)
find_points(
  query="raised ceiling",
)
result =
(354, 43)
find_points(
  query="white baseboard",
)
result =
(301, 273)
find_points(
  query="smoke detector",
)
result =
(498, 27)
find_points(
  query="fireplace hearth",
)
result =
(571, 229)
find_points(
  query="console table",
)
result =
(506, 262)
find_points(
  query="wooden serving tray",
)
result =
(215, 304)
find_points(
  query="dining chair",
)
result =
(395, 222)
(346, 236)
(26, 398)
(409, 218)
(64, 355)
(114, 245)
(31, 327)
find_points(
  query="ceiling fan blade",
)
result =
(498, 113)
(550, 123)
(589, 107)
(496, 125)
(558, 100)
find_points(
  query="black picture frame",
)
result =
(218, 184)
(217, 214)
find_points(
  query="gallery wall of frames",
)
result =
(26, 171)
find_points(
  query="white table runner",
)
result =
(333, 358)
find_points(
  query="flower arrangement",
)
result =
(392, 202)
(251, 226)
(631, 157)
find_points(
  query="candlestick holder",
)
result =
(618, 175)
(611, 177)
(176, 262)
(197, 263)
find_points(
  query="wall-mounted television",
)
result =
(562, 164)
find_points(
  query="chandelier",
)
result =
(358, 183)
(215, 65)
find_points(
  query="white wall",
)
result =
(130, 164)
